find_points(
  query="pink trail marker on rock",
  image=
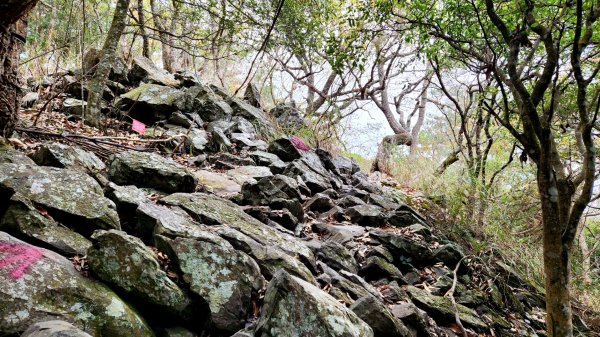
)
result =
(21, 257)
(299, 143)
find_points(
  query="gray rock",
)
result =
(243, 174)
(382, 201)
(345, 165)
(246, 141)
(220, 184)
(29, 100)
(334, 255)
(44, 286)
(53, 329)
(415, 318)
(8, 155)
(288, 117)
(143, 69)
(64, 156)
(313, 173)
(219, 141)
(284, 149)
(269, 159)
(144, 169)
(270, 188)
(377, 268)
(154, 219)
(151, 102)
(449, 254)
(125, 262)
(252, 95)
(180, 119)
(211, 108)
(24, 220)
(379, 318)
(224, 277)
(319, 203)
(366, 215)
(255, 115)
(73, 106)
(227, 160)
(213, 210)
(349, 201)
(62, 192)
(314, 312)
(338, 232)
(407, 247)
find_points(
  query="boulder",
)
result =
(319, 203)
(247, 142)
(61, 192)
(145, 169)
(211, 108)
(408, 248)
(54, 328)
(268, 159)
(313, 173)
(416, 319)
(441, 310)
(29, 100)
(73, 106)
(293, 307)
(345, 165)
(154, 219)
(252, 95)
(379, 318)
(288, 117)
(143, 69)
(220, 184)
(64, 156)
(253, 114)
(243, 174)
(334, 255)
(127, 264)
(270, 188)
(227, 160)
(24, 220)
(38, 285)
(224, 277)
(151, 102)
(366, 215)
(213, 210)
(284, 149)
(377, 268)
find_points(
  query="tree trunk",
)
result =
(12, 36)
(384, 151)
(142, 20)
(167, 54)
(93, 110)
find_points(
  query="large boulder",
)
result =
(293, 307)
(64, 156)
(37, 285)
(151, 102)
(144, 169)
(145, 70)
(126, 263)
(224, 277)
(61, 193)
(213, 210)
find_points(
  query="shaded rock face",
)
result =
(37, 285)
(293, 307)
(145, 70)
(64, 156)
(288, 117)
(145, 169)
(151, 102)
(53, 329)
(225, 278)
(61, 192)
(379, 318)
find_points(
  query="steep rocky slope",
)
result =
(248, 238)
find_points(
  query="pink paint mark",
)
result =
(138, 127)
(21, 257)
(299, 143)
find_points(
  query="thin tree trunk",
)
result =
(384, 151)
(167, 54)
(142, 20)
(12, 36)
(93, 110)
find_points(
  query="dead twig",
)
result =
(450, 295)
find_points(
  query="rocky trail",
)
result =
(207, 228)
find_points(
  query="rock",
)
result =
(64, 156)
(360, 181)
(92, 57)
(270, 188)
(213, 210)
(319, 203)
(393, 293)
(211, 108)
(449, 254)
(382, 201)
(225, 278)
(288, 117)
(252, 95)
(379, 318)
(144, 169)
(154, 219)
(24, 220)
(440, 308)
(377, 268)
(8, 155)
(338, 232)
(416, 252)
(180, 119)
(416, 319)
(143, 69)
(43, 285)
(293, 307)
(187, 78)
(62, 192)
(29, 100)
(255, 115)
(313, 173)
(229, 161)
(242, 125)
(284, 149)
(151, 102)
(269, 159)
(243, 174)
(366, 215)
(127, 199)
(246, 141)
(195, 140)
(405, 216)
(126, 263)
(345, 165)
(219, 141)
(53, 329)
(349, 201)
(269, 258)
(334, 255)
(72, 106)
(220, 184)
(198, 160)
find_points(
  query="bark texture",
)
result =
(93, 110)
(12, 36)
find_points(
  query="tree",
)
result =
(12, 36)
(542, 61)
(96, 86)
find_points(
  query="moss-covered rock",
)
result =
(72, 197)
(144, 169)
(293, 307)
(224, 277)
(64, 156)
(37, 285)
